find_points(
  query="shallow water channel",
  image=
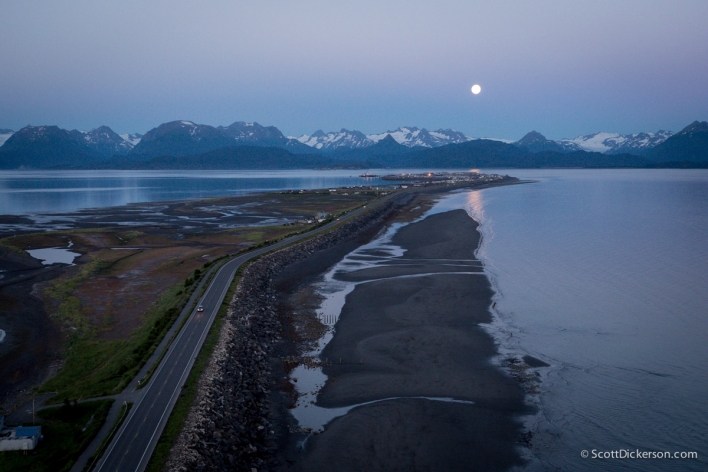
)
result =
(309, 379)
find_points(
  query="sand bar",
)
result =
(410, 329)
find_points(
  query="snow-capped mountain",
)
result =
(330, 141)
(536, 142)
(5, 135)
(614, 143)
(183, 138)
(407, 136)
(131, 138)
(254, 134)
(607, 143)
(103, 140)
(180, 138)
(48, 146)
(422, 137)
(688, 145)
(45, 146)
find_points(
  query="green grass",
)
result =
(69, 313)
(5, 242)
(67, 431)
(95, 367)
(184, 403)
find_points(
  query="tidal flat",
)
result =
(247, 415)
(407, 371)
(131, 266)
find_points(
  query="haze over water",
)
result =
(602, 274)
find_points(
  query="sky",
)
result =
(561, 68)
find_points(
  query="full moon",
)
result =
(476, 89)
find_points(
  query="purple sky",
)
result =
(561, 68)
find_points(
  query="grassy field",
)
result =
(96, 367)
(67, 431)
(114, 307)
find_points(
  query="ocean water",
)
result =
(603, 274)
(26, 192)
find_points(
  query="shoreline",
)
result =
(210, 440)
(402, 351)
(270, 438)
(240, 417)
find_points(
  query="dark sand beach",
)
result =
(412, 330)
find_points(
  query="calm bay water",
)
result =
(602, 274)
(24, 192)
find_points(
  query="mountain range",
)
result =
(181, 144)
(613, 143)
(407, 136)
(606, 143)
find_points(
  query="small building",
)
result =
(19, 438)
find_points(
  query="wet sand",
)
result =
(412, 331)
(180, 218)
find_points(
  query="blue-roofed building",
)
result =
(19, 438)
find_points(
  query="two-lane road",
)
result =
(134, 443)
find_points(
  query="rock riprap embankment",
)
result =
(229, 427)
